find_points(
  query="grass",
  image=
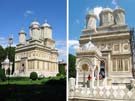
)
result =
(24, 89)
(27, 81)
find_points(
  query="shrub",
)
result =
(58, 74)
(62, 69)
(2, 75)
(33, 75)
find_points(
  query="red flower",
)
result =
(89, 77)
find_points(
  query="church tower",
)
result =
(22, 37)
(91, 20)
(119, 16)
(106, 17)
(46, 31)
(35, 30)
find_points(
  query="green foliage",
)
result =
(23, 89)
(33, 75)
(2, 75)
(58, 74)
(8, 71)
(62, 69)
(19, 78)
(2, 54)
(10, 51)
(72, 61)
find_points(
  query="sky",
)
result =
(19, 14)
(79, 8)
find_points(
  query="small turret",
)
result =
(91, 20)
(46, 31)
(35, 30)
(119, 16)
(106, 17)
(22, 37)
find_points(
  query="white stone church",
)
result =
(105, 51)
(104, 60)
(38, 53)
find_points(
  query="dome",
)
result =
(91, 13)
(46, 24)
(88, 46)
(22, 31)
(107, 10)
(35, 24)
(6, 60)
(119, 10)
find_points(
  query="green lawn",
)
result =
(23, 81)
(27, 81)
(24, 89)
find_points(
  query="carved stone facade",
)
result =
(112, 39)
(38, 53)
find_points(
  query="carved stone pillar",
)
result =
(77, 70)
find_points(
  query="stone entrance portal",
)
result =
(87, 64)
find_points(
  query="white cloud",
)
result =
(115, 3)
(60, 43)
(28, 13)
(4, 42)
(62, 49)
(73, 43)
(97, 11)
(2, 38)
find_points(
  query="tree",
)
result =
(2, 55)
(10, 51)
(71, 66)
(62, 69)
(2, 74)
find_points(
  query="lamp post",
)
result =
(10, 42)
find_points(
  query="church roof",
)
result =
(22, 31)
(88, 47)
(107, 10)
(35, 23)
(6, 60)
(46, 24)
(91, 13)
(118, 9)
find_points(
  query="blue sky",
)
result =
(18, 14)
(79, 8)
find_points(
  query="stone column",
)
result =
(92, 82)
(84, 78)
(77, 70)
(98, 77)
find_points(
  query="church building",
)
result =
(38, 53)
(105, 51)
